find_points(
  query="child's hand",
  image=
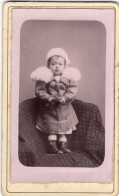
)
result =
(52, 99)
(62, 100)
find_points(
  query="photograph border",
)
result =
(9, 188)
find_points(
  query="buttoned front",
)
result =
(54, 117)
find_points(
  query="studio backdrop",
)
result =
(85, 43)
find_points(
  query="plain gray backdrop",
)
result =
(85, 43)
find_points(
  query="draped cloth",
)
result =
(87, 143)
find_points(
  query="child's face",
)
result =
(57, 65)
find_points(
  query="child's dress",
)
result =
(54, 117)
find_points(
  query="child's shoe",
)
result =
(63, 147)
(52, 148)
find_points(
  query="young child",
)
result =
(56, 86)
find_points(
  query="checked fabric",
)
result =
(87, 143)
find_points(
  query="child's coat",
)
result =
(54, 117)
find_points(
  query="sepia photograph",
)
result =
(61, 95)
(62, 65)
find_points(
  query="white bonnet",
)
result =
(58, 52)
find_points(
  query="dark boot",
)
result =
(52, 148)
(63, 147)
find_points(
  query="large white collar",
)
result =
(44, 74)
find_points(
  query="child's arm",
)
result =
(41, 91)
(71, 92)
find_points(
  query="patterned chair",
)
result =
(87, 143)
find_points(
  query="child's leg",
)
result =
(52, 148)
(52, 137)
(63, 143)
(62, 138)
